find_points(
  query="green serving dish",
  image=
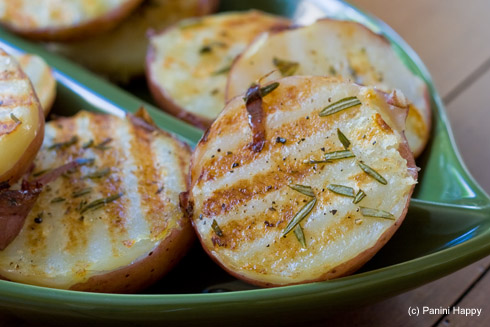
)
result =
(447, 226)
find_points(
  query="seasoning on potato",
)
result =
(54, 20)
(336, 48)
(41, 77)
(121, 51)
(112, 221)
(301, 180)
(187, 64)
(21, 121)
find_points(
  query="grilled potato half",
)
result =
(336, 48)
(41, 77)
(187, 64)
(121, 52)
(111, 225)
(322, 194)
(21, 121)
(54, 20)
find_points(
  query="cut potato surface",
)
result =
(336, 48)
(41, 77)
(111, 225)
(329, 173)
(187, 64)
(61, 20)
(121, 51)
(21, 121)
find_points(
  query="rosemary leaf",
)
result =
(298, 231)
(287, 68)
(359, 196)
(373, 173)
(81, 192)
(302, 213)
(303, 189)
(340, 105)
(223, 70)
(41, 172)
(100, 202)
(369, 212)
(58, 199)
(341, 189)
(343, 139)
(313, 162)
(62, 145)
(88, 144)
(268, 89)
(216, 228)
(335, 155)
(15, 119)
(103, 145)
(98, 174)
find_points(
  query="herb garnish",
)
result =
(216, 228)
(268, 89)
(100, 202)
(376, 213)
(103, 145)
(88, 144)
(98, 174)
(298, 231)
(340, 105)
(299, 216)
(359, 196)
(343, 139)
(341, 189)
(287, 68)
(62, 145)
(373, 173)
(81, 192)
(58, 199)
(15, 119)
(335, 155)
(303, 189)
(41, 172)
(223, 70)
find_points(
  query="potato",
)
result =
(121, 51)
(111, 225)
(41, 77)
(21, 121)
(187, 64)
(54, 20)
(336, 48)
(253, 184)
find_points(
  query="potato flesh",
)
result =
(17, 100)
(64, 249)
(195, 79)
(240, 199)
(41, 78)
(36, 14)
(337, 48)
(121, 51)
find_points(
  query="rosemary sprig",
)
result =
(373, 173)
(286, 68)
(341, 189)
(216, 228)
(100, 202)
(359, 196)
(98, 174)
(88, 144)
(62, 145)
(343, 139)
(302, 213)
(376, 213)
(268, 89)
(41, 172)
(103, 145)
(82, 192)
(340, 105)
(303, 189)
(223, 70)
(57, 200)
(15, 119)
(298, 231)
(335, 155)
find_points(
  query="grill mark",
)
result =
(216, 167)
(148, 178)
(115, 215)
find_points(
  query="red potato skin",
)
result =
(344, 269)
(80, 31)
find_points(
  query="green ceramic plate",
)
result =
(447, 226)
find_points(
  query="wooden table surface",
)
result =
(453, 39)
